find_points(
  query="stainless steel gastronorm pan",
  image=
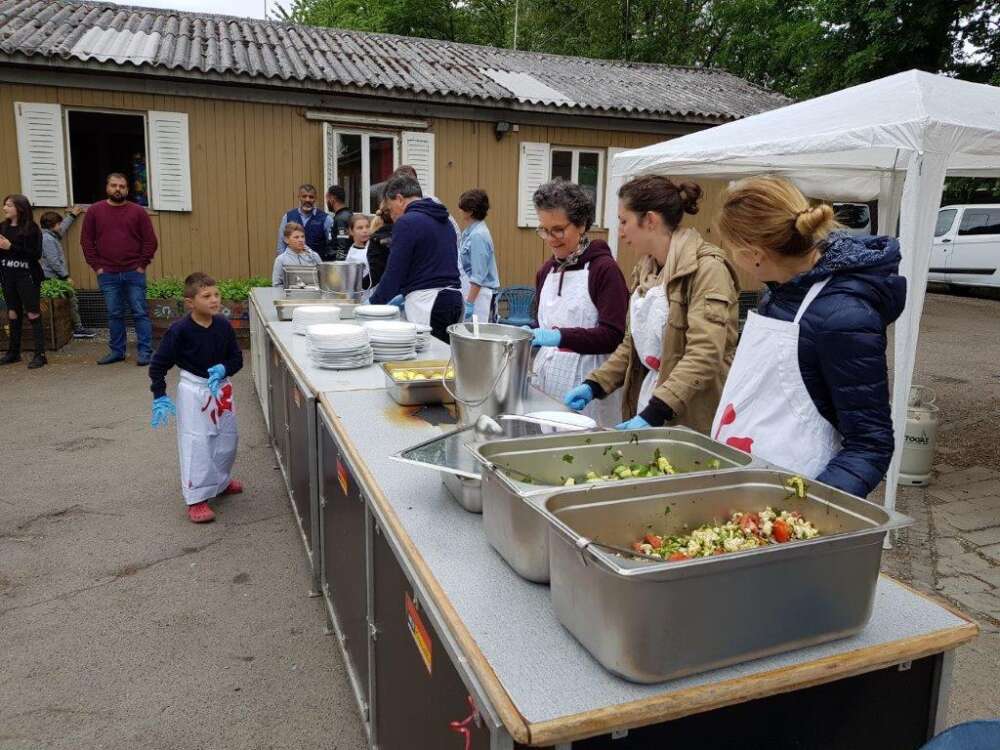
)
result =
(414, 392)
(512, 522)
(651, 621)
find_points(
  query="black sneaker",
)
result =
(110, 358)
(84, 333)
(10, 358)
(39, 360)
(142, 361)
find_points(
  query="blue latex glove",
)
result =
(470, 308)
(578, 398)
(163, 409)
(635, 423)
(397, 301)
(545, 337)
(216, 374)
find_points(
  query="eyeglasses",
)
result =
(556, 233)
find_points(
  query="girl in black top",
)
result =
(21, 276)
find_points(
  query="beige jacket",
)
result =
(698, 344)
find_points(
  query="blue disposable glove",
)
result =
(216, 374)
(578, 398)
(163, 409)
(635, 423)
(397, 301)
(470, 308)
(545, 337)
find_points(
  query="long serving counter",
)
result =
(430, 618)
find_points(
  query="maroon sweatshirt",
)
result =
(610, 296)
(117, 238)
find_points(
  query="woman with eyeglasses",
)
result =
(581, 297)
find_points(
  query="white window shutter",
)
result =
(418, 152)
(611, 192)
(169, 161)
(329, 156)
(533, 171)
(41, 151)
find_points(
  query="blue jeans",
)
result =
(123, 292)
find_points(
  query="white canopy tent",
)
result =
(893, 140)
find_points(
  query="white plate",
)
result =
(569, 421)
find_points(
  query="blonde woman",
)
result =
(809, 389)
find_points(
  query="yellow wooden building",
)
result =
(218, 120)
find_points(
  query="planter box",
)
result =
(163, 312)
(57, 322)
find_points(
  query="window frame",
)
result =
(989, 213)
(951, 225)
(144, 114)
(366, 136)
(575, 175)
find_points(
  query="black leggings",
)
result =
(448, 309)
(22, 296)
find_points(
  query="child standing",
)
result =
(21, 277)
(296, 253)
(359, 230)
(203, 345)
(54, 228)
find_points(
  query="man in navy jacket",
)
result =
(423, 264)
(318, 224)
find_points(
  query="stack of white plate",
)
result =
(423, 336)
(309, 315)
(392, 340)
(364, 313)
(338, 346)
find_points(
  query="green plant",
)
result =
(165, 288)
(238, 290)
(56, 288)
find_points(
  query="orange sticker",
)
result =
(342, 476)
(419, 631)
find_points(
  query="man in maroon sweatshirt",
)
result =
(119, 243)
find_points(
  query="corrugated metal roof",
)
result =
(165, 42)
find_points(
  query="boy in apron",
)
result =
(203, 346)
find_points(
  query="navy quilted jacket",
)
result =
(842, 350)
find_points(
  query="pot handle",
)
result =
(507, 356)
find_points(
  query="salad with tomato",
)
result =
(743, 531)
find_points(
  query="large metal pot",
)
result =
(342, 277)
(491, 369)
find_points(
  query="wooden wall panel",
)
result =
(247, 161)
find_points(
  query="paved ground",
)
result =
(124, 626)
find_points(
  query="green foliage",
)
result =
(970, 190)
(56, 288)
(802, 48)
(165, 288)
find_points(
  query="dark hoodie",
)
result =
(608, 291)
(424, 252)
(842, 350)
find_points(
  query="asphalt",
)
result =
(122, 625)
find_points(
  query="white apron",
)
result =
(557, 370)
(418, 305)
(483, 304)
(360, 255)
(647, 321)
(206, 437)
(765, 408)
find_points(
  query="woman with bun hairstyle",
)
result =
(682, 318)
(808, 390)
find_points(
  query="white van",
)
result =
(966, 248)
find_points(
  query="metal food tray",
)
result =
(460, 472)
(514, 526)
(415, 392)
(285, 307)
(653, 621)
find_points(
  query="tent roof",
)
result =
(836, 146)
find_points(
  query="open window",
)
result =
(361, 163)
(541, 162)
(101, 143)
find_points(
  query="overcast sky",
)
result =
(253, 8)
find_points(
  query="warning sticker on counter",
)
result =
(342, 475)
(419, 631)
